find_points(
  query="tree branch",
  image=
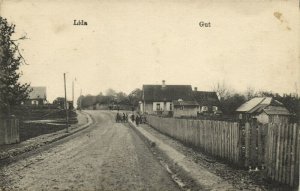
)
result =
(17, 48)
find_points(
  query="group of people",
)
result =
(138, 119)
(121, 118)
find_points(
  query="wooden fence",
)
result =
(9, 131)
(282, 153)
(218, 138)
(275, 148)
(253, 144)
(272, 147)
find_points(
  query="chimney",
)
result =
(163, 84)
(195, 89)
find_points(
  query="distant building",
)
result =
(185, 108)
(172, 100)
(264, 109)
(208, 102)
(59, 102)
(102, 106)
(37, 96)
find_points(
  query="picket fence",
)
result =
(282, 153)
(272, 147)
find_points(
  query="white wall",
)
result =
(165, 106)
(187, 111)
(141, 105)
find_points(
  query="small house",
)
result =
(169, 100)
(185, 108)
(209, 103)
(37, 96)
(264, 109)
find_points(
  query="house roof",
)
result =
(276, 110)
(259, 104)
(254, 102)
(185, 103)
(206, 98)
(38, 93)
(167, 93)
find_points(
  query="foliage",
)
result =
(135, 96)
(59, 101)
(231, 103)
(111, 97)
(12, 91)
(292, 103)
(121, 98)
(88, 100)
(110, 92)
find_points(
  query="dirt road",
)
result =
(108, 157)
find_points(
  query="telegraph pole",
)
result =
(73, 92)
(66, 103)
(80, 99)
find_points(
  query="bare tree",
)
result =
(250, 93)
(222, 90)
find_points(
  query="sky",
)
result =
(129, 43)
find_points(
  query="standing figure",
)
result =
(137, 120)
(117, 117)
(123, 118)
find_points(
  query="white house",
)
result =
(170, 100)
(37, 96)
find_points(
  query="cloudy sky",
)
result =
(129, 43)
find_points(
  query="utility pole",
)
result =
(66, 103)
(80, 99)
(73, 92)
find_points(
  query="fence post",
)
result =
(285, 153)
(294, 167)
(247, 144)
(268, 153)
(259, 146)
(253, 153)
(298, 156)
(239, 143)
(288, 171)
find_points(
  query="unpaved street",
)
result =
(108, 157)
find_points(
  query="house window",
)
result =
(171, 107)
(182, 107)
(158, 107)
(215, 108)
(204, 108)
(34, 102)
